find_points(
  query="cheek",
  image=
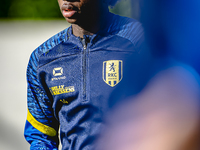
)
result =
(60, 2)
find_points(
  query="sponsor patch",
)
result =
(112, 72)
(61, 89)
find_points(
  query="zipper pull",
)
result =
(84, 43)
(84, 46)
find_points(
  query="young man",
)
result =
(71, 75)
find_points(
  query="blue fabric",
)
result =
(38, 140)
(66, 83)
(172, 28)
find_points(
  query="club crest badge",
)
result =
(112, 72)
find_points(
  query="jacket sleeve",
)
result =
(41, 128)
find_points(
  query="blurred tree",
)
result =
(34, 9)
(4, 8)
(135, 9)
(122, 8)
(128, 8)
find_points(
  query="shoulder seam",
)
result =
(52, 42)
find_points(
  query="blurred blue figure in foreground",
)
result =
(162, 110)
(173, 28)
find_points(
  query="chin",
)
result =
(72, 21)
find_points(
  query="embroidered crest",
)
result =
(112, 72)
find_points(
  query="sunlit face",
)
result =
(76, 11)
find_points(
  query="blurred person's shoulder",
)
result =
(180, 73)
(176, 81)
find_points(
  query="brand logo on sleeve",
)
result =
(112, 72)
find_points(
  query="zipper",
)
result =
(84, 68)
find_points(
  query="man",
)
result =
(71, 75)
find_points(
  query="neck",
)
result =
(80, 31)
(90, 25)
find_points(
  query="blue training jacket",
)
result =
(70, 80)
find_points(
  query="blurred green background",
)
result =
(48, 9)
